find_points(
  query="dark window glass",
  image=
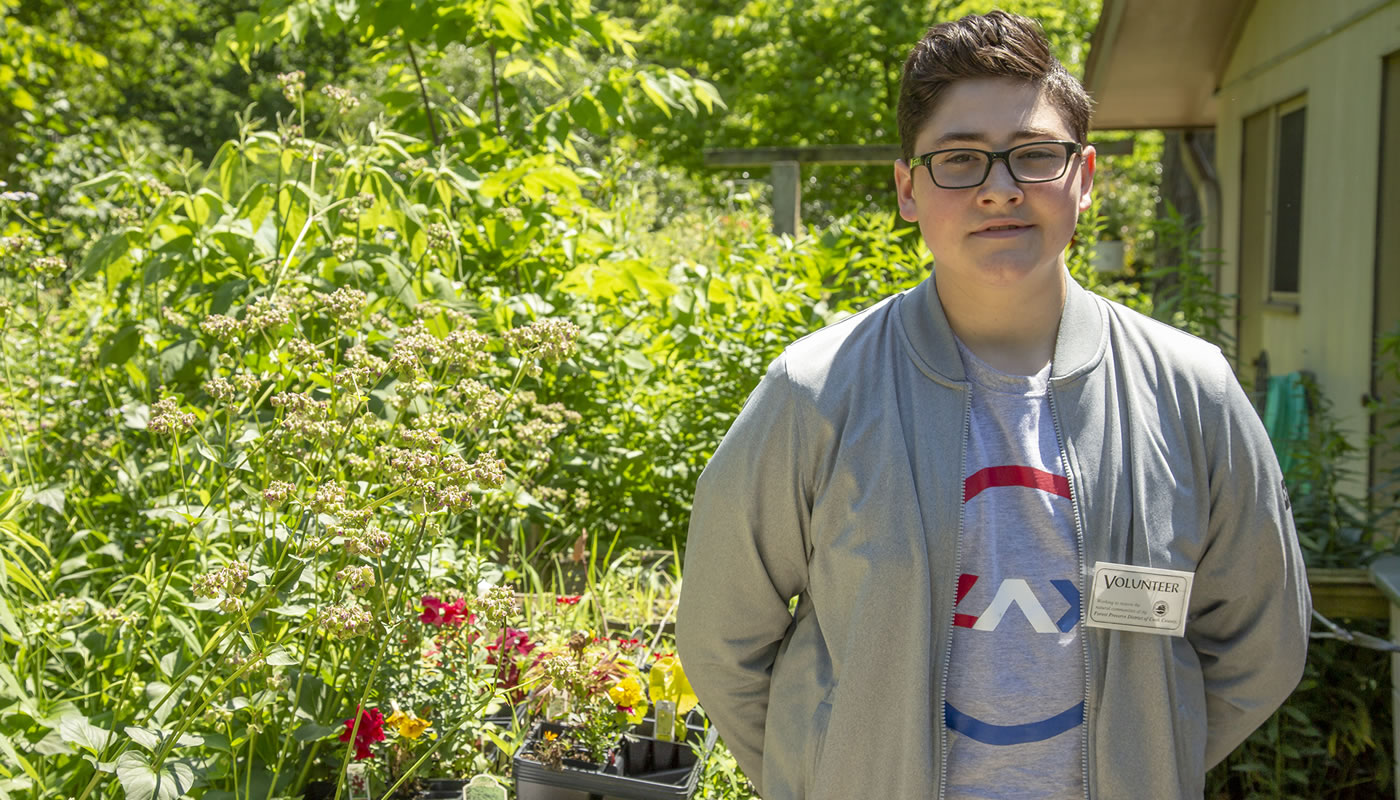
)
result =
(1288, 201)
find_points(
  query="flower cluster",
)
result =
(368, 541)
(48, 266)
(499, 605)
(293, 85)
(277, 493)
(229, 582)
(549, 339)
(437, 481)
(222, 328)
(344, 621)
(166, 417)
(17, 245)
(306, 418)
(266, 313)
(58, 612)
(343, 99)
(439, 236)
(369, 730)
(359, 579)
(438, 613)
(344, 247)
(17, 197)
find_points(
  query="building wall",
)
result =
(1334, 53)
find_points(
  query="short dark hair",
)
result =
(997, 45)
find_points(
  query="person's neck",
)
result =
(1012, 328)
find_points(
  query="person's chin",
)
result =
(1007, 269)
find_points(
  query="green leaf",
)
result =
(52, 497)
(279, 657)
(311, 731)
(142, 781)
(510, 20)
(120, 346)
(636, 360)
(659, 94)
(153, 738)
(7, 747)
(110, 256)
(76, 730)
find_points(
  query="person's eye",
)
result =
(1036, 153)
(959, 158)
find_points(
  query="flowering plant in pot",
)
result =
(593, 692)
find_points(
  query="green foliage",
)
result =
(810, 72)
(1184, 293)
(1332, 739)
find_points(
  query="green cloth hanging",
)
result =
(1286, 415)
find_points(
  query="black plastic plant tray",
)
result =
(644, 768)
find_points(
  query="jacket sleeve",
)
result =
(1251, 608)
(746, 557)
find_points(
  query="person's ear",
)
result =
(1088, 162)
(904, 191)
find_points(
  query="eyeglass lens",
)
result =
(957, 169)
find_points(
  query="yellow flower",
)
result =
(626, 693)
(409, 725)
(550, 736)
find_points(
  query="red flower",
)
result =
(438, 613)
(512, 644)
(568, 601)
(627, 645)
(371, 730)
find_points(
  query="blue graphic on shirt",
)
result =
(1071, 594)
(987, 733)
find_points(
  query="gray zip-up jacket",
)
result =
(841, 483)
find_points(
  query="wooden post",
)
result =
(787, 197)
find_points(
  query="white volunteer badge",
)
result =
(1128, 598)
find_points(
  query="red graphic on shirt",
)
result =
(965, 582)
(1009, 475)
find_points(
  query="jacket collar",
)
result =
(1079, 344)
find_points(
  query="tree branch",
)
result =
(422, 89)
(495, 89)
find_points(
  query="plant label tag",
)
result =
(357, 781)
(484, 787)
(1143, 599)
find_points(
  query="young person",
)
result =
(1041, 545)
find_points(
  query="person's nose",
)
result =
(1000, 188)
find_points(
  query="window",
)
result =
(1272, 202)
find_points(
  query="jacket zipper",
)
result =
(1079, 536)
(942, 710)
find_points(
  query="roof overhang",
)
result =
(1158, 65)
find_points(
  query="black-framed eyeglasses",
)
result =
(966, 167)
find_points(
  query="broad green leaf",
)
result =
(8, 749)
(152, 738)
(510, 20)
(76, 730)
(311, 731)
(142, 781)
(636, 360)
(279, 657)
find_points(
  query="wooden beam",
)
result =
(848, 154)
(1347, 593)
